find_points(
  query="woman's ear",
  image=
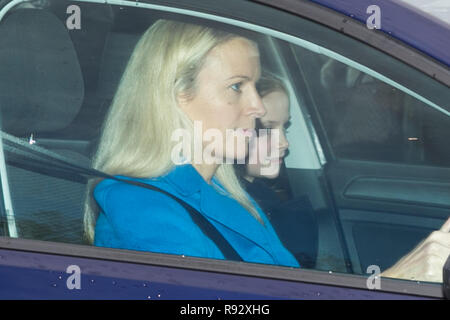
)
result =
(183, 99)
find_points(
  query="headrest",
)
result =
(41, 85)
(117, 52)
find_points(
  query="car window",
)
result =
(61, 74)
(367, 119)
(383, 145)
(70, 76)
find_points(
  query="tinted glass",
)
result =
(367, 119)
(71, 70)
(384, 149)
(59, 81)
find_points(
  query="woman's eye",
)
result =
(237, 87)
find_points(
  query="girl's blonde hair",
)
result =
(269, 83)
(136, 136)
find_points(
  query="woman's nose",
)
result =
(284, 143)
(257, 108)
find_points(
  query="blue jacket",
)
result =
(136, 218)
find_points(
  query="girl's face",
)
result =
(276, 118)
(225, 96)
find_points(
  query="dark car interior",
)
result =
(387, 161)
(57, 85)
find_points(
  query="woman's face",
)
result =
(276, 118)
(225, 96)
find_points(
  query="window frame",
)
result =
(232, 16)
(373, 38)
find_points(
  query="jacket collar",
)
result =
(187, 181)
(231, 214)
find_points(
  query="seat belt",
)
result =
(45, 156)
(207, 227)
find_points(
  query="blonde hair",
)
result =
(136, 137)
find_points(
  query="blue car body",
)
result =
(31, 275)
(418, 29)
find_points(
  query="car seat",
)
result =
(41, 90)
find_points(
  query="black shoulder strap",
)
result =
(207, 227)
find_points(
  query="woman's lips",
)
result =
(245, 131)
(274, 160)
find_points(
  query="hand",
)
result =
(426, 261)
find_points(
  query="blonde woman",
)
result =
(180, 74)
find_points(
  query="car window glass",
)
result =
(367, 119)
(385, 153)
(60, 82)
(66, 99)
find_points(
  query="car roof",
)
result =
(439, 9)
(422, 25)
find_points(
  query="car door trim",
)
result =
(429, 193)
(221, 266)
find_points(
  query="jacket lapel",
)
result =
(217, 205)
(228, 212)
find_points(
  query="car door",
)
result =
(44, 186)
(387, 164)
